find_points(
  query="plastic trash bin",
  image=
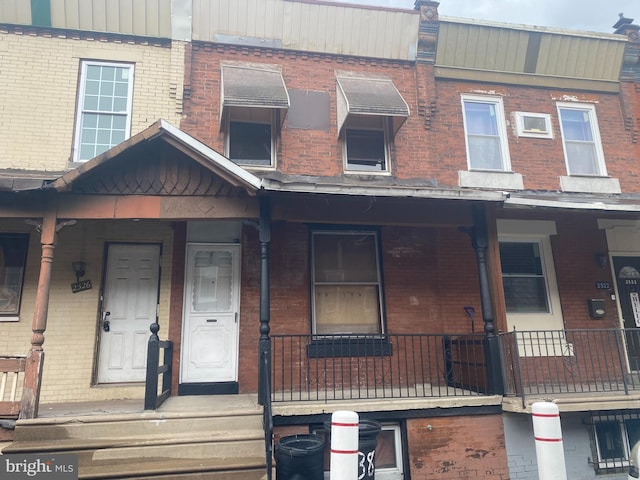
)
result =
(300, 457)
(367, 437)
(368, 431)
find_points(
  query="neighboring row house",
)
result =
(430, 221)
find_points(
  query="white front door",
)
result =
(129, 308)
(210, 316)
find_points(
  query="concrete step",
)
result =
(141, 425)
(160, 445)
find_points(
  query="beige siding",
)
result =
(38, 98)
(15, 11)
(136, 17)
(348, 30)
(502, 48)
(70, 339)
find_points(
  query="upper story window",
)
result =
(13, 257)
(485, 133)
(370, 111)
(347, 289)
(581, 139)
(103, 118)
(254, 102)
(366, 145)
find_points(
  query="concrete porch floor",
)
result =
(172, 406)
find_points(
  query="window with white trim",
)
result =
(365, 145)
(581, 139)
(103, 118)
(388, 457)
(13, 257)
(614, 435)
(528, 275)
(250, 139)
(347, 289)
(485, 133)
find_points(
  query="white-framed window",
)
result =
(366, 145)
(13, 258)
(103, 117)
(347, 287)
(535, 125)
(485, 133)
(528, 275)
(250, 138)
(388, 457)
(581, 139)
(614, 434)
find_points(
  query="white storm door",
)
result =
(131, 299)
(210, 317)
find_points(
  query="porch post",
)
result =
(479, 239)
(264, 347)
(35, 356)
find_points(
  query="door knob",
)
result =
(106, 326)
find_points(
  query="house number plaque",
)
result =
(81, 286)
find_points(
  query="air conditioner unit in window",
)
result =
(533, 124)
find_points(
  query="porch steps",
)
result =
(154, 445)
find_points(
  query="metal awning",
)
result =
(253, 86)
(370, 96)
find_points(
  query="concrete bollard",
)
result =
(344, 445)
(548, 436)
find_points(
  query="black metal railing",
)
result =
(335, 367)
(152, 397)
(571, 361)
(267, 413)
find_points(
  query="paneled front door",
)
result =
(210, 316)
(129, 308)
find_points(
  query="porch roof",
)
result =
(162, 130)
(575, 201)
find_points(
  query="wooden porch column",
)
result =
(264, 348)
(35, 357)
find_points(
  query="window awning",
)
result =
(249, 86)
(370, 96)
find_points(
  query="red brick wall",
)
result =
(540, 161)
(457, 447)
(430, 145)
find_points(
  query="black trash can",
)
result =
(368, 431)
(300, 457)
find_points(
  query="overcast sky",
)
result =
(594, 15)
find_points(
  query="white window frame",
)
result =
(535, 231)
(378, 282)
(253, 115)
(501, 127)
(523, 132)
(367, 124)
(620, 419)
(595, 133)
(80, 108)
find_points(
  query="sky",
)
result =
(591, 15)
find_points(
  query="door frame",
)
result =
(211, 388)
(616, 290)
(100, 304)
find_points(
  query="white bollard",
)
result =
(548, 436)
(344, 445)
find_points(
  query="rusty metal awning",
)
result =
(369, 96)
(253, 86)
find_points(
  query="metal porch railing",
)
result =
(152, 397)
(586, 361)
(336, 367)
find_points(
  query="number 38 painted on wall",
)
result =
(366, 465)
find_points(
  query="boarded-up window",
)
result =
(346, 283)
